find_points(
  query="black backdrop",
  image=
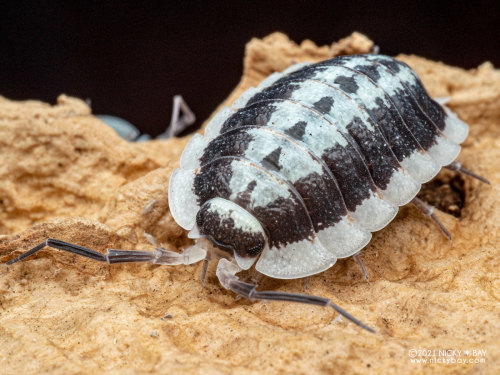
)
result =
(131, 58)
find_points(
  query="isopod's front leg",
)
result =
(160, 256)
(226, 272)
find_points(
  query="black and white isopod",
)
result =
(300, 170)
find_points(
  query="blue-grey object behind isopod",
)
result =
(300, 170)
(182, 119)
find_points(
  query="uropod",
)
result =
(300, 171)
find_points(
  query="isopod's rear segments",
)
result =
(379, 106)
(429, 136)
(408, 87)
(446, 120)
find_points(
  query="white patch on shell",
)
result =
(294, 162)
(405, 75)
(344, 238)
(320, 134)
(374, 213)
(343, 109)
(454, 128)
(298, 259)
(401, 188)
(245, 97)
(444, 151)
(181, 198)
(190, 158)
(213, 128)
(420, 166)
(367, 92)
(263, 193)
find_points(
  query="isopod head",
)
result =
(231, 228)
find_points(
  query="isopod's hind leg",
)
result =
(226, 272)
(457, 167)
(160, 256)
(358, 259)
(429, 211)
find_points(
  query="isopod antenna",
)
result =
(226, 271)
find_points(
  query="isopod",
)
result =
(300, 171)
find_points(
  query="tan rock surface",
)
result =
(66, 175)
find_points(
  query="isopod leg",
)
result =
(204, 268)
(226, 273)
(358, 259)
(429, 211)
(61, 245)
(456, 166)
(306, 283)
(160, 256)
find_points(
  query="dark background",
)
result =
(131, 58)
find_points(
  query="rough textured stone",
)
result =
(64, 174)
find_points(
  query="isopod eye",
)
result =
(232, 228)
